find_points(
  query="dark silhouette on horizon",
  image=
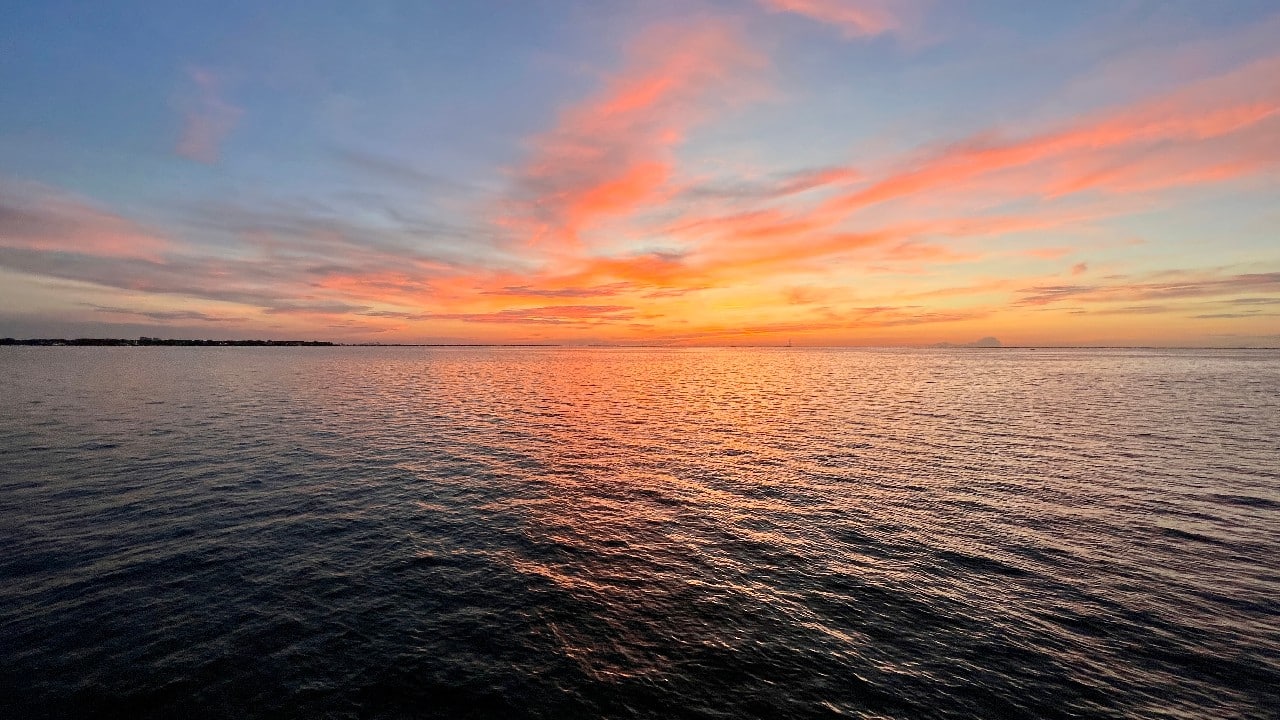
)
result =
(147, 341)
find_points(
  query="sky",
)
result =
(692, 172)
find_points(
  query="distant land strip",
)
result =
(150, 341)
(132, 342)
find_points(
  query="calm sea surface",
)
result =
(648, 533)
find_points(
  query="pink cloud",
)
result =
(855, 18)
(34, 217)
(207, 118)
(1184, 121)
(611, 154)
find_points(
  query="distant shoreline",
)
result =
(162, 342)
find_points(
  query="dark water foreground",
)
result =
(360, 532)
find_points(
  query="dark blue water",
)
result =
(560, 533)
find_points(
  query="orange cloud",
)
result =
(1204, 111)
(1214, 160)
(612, 153)
(747, 245)
(377, 286)
(918, 250)
(737, 255)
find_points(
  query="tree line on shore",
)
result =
(147, 341)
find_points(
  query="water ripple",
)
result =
(639, 533)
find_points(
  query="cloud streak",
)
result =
(37, 218)
(612, 153)
(1191, 286)
(1100, 152)
(167, 315)
(854, 18)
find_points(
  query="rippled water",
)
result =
(385, 532)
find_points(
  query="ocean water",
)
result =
(639, 533)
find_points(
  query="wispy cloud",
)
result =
(775, 187)
(167, 315)
(1233, 316)
(394, 172)
(562, 292)
(1189, 285)
(1098, 152)
(854, 18)
(207, 118)
(275, 261)
(612, 153)
(582, 315)
(38, 218)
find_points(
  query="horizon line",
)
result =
(209, 342)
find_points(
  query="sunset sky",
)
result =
(824, 172)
